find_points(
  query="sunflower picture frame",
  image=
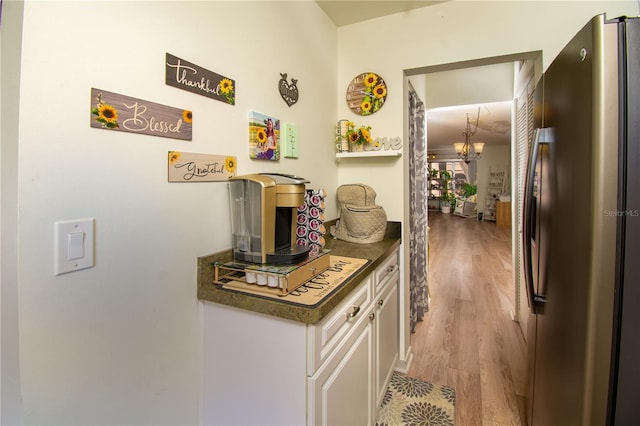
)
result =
(366, 93)
(264, 137)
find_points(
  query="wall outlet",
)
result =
(290, 140)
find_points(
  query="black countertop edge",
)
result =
(375, 252)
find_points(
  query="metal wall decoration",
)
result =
(288, 91)
(192, 167)
(192, 78)
(112, 111)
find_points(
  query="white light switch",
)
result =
(73, 245)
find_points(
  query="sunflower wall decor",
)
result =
(366, 93)
(264, 137)
(193, 167)
(112, 111)
(195, 79)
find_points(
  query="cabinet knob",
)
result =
(380, 302)
(372, 316)
(353, 313)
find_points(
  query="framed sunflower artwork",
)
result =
(366, 93)
(193, 167)
(264, 137)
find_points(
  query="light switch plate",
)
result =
(290, 140)
(73, 245)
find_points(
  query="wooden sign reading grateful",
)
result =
(194, 167)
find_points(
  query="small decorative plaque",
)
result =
(288, 91)
(195, 79)
(192, 167)
(112, 111)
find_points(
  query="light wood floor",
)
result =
(468, 339)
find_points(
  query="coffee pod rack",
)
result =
(271, 279)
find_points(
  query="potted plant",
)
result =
(452, 201)
(469, 191)
(446, 196)
(358, 137)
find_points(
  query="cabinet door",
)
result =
(340, 393)
(386, 335)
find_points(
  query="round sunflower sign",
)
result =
(366, 93)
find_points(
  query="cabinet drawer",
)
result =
(384, 271)
(335, 327)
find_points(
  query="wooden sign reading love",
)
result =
(112, 111)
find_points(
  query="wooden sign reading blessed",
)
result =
(112, 111)
(192, 167)
(190, 77)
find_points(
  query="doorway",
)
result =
(525, 66)
(490, 377)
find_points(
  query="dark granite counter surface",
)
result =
(375, 252)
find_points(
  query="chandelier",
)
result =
(465, 150)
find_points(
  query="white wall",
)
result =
(445, 33)
(10, 405)
(468, 86)
(121, 343)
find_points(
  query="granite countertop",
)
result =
(375, 252)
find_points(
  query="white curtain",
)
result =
(419, 300)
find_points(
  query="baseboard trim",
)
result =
(403, 364)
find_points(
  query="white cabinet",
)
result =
(261, 369)
(386, 336)
(349, 386)
(340, 392)
(254, 368)
(333, 329)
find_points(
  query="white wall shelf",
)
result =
(369, 154)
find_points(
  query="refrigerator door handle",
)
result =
(540, 136)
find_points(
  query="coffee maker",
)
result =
(263, 218)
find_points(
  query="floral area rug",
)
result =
(414, 402)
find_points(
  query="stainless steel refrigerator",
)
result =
(581, 232)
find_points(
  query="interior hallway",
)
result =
(468, 339)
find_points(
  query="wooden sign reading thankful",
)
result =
(190, 77)
(112, 111)
(192, 167)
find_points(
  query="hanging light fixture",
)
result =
(465, 150)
